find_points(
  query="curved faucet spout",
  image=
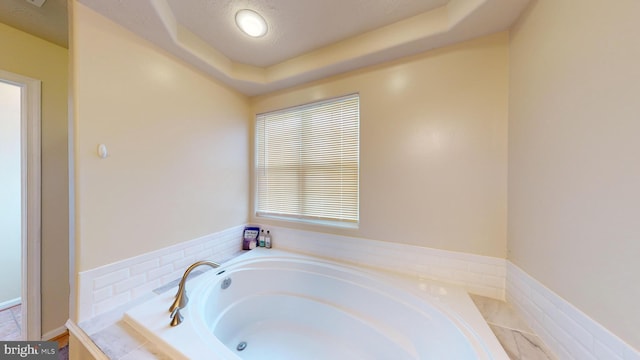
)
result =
(181, 299)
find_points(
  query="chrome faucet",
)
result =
(181, 296)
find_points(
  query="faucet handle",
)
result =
(180, 300)
(176, 317)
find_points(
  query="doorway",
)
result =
(19, 207)
(10, 212)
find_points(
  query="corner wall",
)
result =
(433, 150)
(178, 163)
(39, 59)
(574, 172)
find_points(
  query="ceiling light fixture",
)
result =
(251, 23)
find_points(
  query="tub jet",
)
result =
(241, 346)
(225, 283)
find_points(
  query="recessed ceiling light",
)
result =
(251, 23)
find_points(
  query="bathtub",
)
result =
(271, 304)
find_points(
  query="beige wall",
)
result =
(178, 164)
(433, 146)
(30, 56)
(574, 169)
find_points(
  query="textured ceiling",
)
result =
(295, 27)
(48, 22)
(308, 39)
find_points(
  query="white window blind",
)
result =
(307, 160)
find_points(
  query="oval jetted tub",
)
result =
(271, 304)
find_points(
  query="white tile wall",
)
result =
(567, 331)
(478, 274)
(107, 287)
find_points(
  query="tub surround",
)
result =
(107, 287)
(482, 275)
(111, 338)
(569, 333)
(119, 341)
(107, 337)
(108, 291)
(515, 336)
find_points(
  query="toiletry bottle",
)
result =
(261, 239)
(267, 240)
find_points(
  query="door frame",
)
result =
(31, 201)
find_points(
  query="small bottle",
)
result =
(267, 240)
(261, 239)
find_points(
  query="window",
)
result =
(307, 162)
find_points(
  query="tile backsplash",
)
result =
(570, 333)
(107, 287)
(482, 275)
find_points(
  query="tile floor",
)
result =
(10, 323)
(517, 339)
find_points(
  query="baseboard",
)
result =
(50, 335)
(10, 303)
(567, 331)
